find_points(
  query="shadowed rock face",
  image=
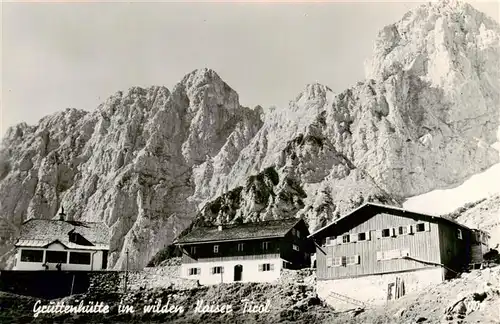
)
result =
(149, 161)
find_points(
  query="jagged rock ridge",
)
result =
(149, 160)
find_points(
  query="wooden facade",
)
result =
(455, 248)
(378, 239)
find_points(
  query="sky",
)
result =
(60, 55)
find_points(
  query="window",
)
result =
(194, 271)
(403, 230)
(56, 256)
(386, 232)
(294, 232)
(354, 259)
(392, 254)
(362, 237)
(459, 234)
(32, 255)
(345, 239)
(79, 258)
(265, 246)
(298, 234)
(337, 262)
(216, 249)
(240, 247)
(266, 267)
(420, 227)
(344, 261)
(217, 270)
(295, 247)
(193, 250)
(329, 262)
(72, 237)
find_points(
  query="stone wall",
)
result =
(372, 290)
(103, 284)
(304, 276)
(159, 277)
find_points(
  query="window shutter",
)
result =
(394, 231)
(410, 229)
(213, 270)
(427, 226)
(379, 255)
(272, 267)
(222, 269)
(198, 271)
(367, 235)
(357, 259)
(260, 267)
(353, 237)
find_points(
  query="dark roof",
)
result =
(386, 208)
(43, 232)
(246, 231)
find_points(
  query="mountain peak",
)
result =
(313, 90)
(200, 77)
(433, 41)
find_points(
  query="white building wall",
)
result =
(95, 257)
(372, 290)
(250, 272)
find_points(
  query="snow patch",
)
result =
(438, 202)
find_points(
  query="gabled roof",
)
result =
(43, 232)
(246, 231)
(388, 208)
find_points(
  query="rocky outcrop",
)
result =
(148, 161)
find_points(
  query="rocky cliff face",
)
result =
(130, 163)
(425, 118)
(148, 161)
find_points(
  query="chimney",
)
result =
(62, 214)
(219, 227)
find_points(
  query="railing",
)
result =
(347, 299)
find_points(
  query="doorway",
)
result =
(238, 270)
